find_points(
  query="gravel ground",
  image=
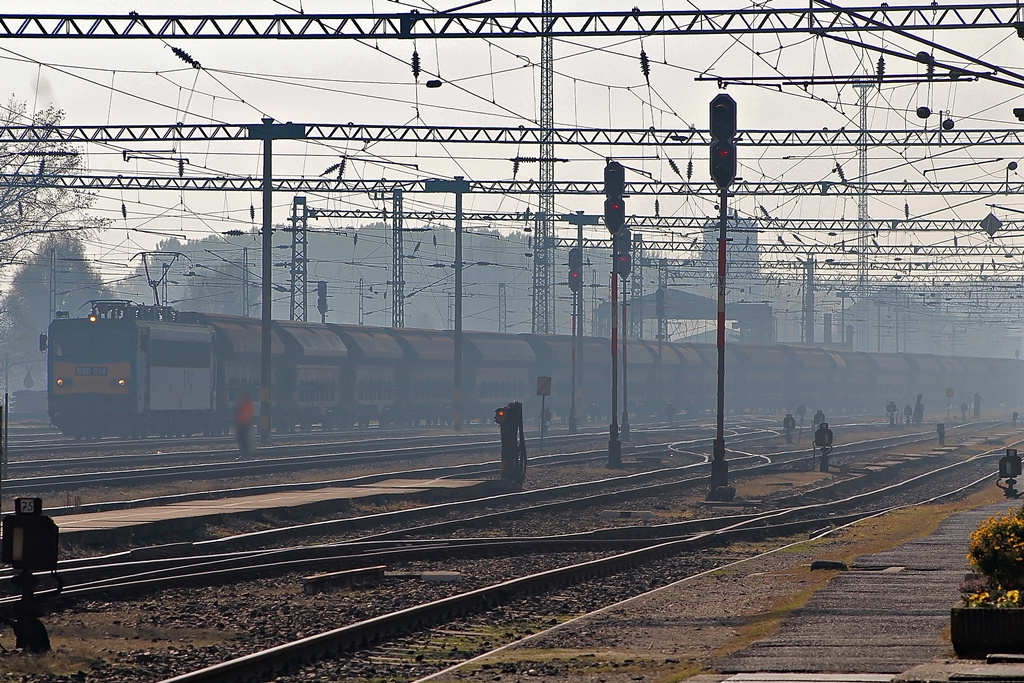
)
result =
(178, 630)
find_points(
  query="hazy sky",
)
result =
(490, 83)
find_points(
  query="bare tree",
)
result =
(32, 206)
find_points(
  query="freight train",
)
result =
(133, 370)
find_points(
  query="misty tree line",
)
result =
(35, 219)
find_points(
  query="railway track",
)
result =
(234, 551)
(24, 477)
(54, 443)
(235, 560)
(19, 462)
(24, 445)
(232, 468)
(281, 659)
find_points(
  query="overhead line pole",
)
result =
(615, 221)
(298, 287)
(723, 171)
(625, 367)
(543, 312)
(397, 261)
(268, 131)
(458, 186)
(579, 219)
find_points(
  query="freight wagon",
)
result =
(135, 370)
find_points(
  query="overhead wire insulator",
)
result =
(657, 209)
(839, 170)
(186, 57)
(181, 168)
(252, 212)
(124, 211)
(906, 210)
(339, 167)
(515, 168)
(675, 167)
(645, 66)
(928, 60)
(880, 70)
(20, 212)
(689, 169)
(416, 65)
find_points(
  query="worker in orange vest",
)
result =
(244, 411)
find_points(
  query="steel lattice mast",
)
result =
(542, 319)
(397, 261)
(862, 178)
(298, 283)
(636, 291)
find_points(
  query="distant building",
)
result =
(742, 250)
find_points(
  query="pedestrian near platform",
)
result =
(244, 411)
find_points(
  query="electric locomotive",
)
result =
(130, 370)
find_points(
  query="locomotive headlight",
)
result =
(93, 317)
(120, 382)
(60, 382)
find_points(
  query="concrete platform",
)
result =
(808, 678)
(961, 670)
(869, 620)
(140, 523)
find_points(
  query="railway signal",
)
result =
(723, 171)
(513, 443)
(723, 149)
(29, 544)
(615, 221)
(614, 204)
(623, 256)
(1009, 469)
(575, 269)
